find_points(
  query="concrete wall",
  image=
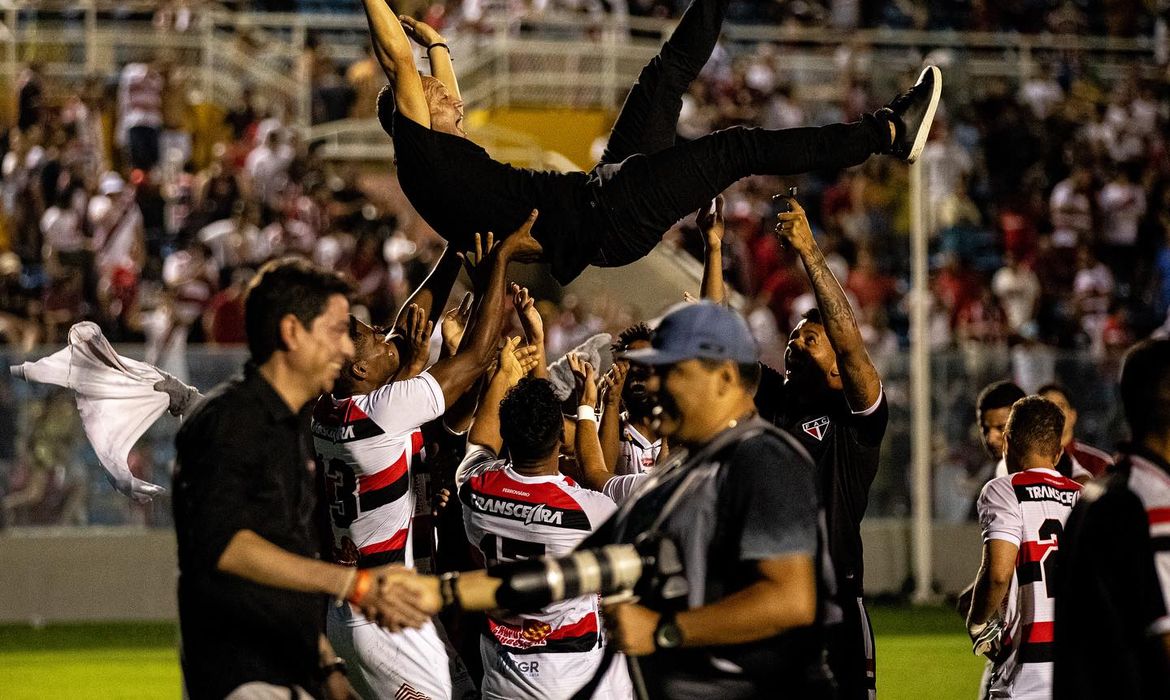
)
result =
(49, 575)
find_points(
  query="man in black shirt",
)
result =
(740, 501)
(1112, 631)
(830, 398)
(252, 590)
(617, 212)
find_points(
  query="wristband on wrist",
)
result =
(438, 44)
(349, 577)
(448, 590)
(585, 412)
(337, 665)
(361, 586)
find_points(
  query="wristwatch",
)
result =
(337, 665)
(667, 635)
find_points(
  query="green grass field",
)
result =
(922, 653)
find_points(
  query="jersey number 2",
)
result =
(1050, 533)
(340, 484)
(496, 549)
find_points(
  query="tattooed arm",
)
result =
(861, 382)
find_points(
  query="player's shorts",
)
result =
(851, 652)
(555, 676)
(1031, 681)
(413, 663)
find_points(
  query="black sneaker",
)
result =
(912, 113)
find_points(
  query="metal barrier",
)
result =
(550, 60)
(82, 495)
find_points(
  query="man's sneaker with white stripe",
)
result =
(912, 113)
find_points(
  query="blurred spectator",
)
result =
(140, 119)
(365, 78)
(266, 168)
(1018, 290)
(1093, 289)
(946, 168)
(119, 248)
(1071, 209)
(1122, 203)
(223, 321)
(30, 98)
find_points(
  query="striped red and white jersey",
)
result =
(1151, 484)
(140, 89)
(370, 448)
(638, 455)
(510, 516)
(1089, 458)
(1028, 509)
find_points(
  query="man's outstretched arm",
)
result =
(456, 374)
(393, 51)
(710, 222)
(438, 52)
(860, 378)
(432, 295)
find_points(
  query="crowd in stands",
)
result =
(1048, 201)
(1123, 18)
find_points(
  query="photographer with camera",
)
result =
(739, 499)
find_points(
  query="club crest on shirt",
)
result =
(817, 427)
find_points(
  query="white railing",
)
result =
(549, 60)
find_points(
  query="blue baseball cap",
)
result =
(693, 330)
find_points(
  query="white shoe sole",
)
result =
(928, 118)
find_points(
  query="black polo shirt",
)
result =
(244, 463)
(846, 447)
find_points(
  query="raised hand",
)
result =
(420, 33)
(417, 330)
(586, 379)
(793, 229)
(710, 222)
(515, 361)
(521, 246)
(473, 259)
(454, 323)
(529, 316)
(613, 383)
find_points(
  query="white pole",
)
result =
(920, 448)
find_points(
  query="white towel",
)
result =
(115, 396)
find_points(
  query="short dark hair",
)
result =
(282, 287)
(1145, 388)
(530, 419)
(636, 332)
(1001, 394)
(1034, 426)
(813, 315)
(1055, 388)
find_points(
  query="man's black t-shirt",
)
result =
(243, 463)
(845, 447)
(460, 191)
(1109, 594)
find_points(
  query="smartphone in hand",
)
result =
(784, 201)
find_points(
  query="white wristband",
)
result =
(586, 413)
